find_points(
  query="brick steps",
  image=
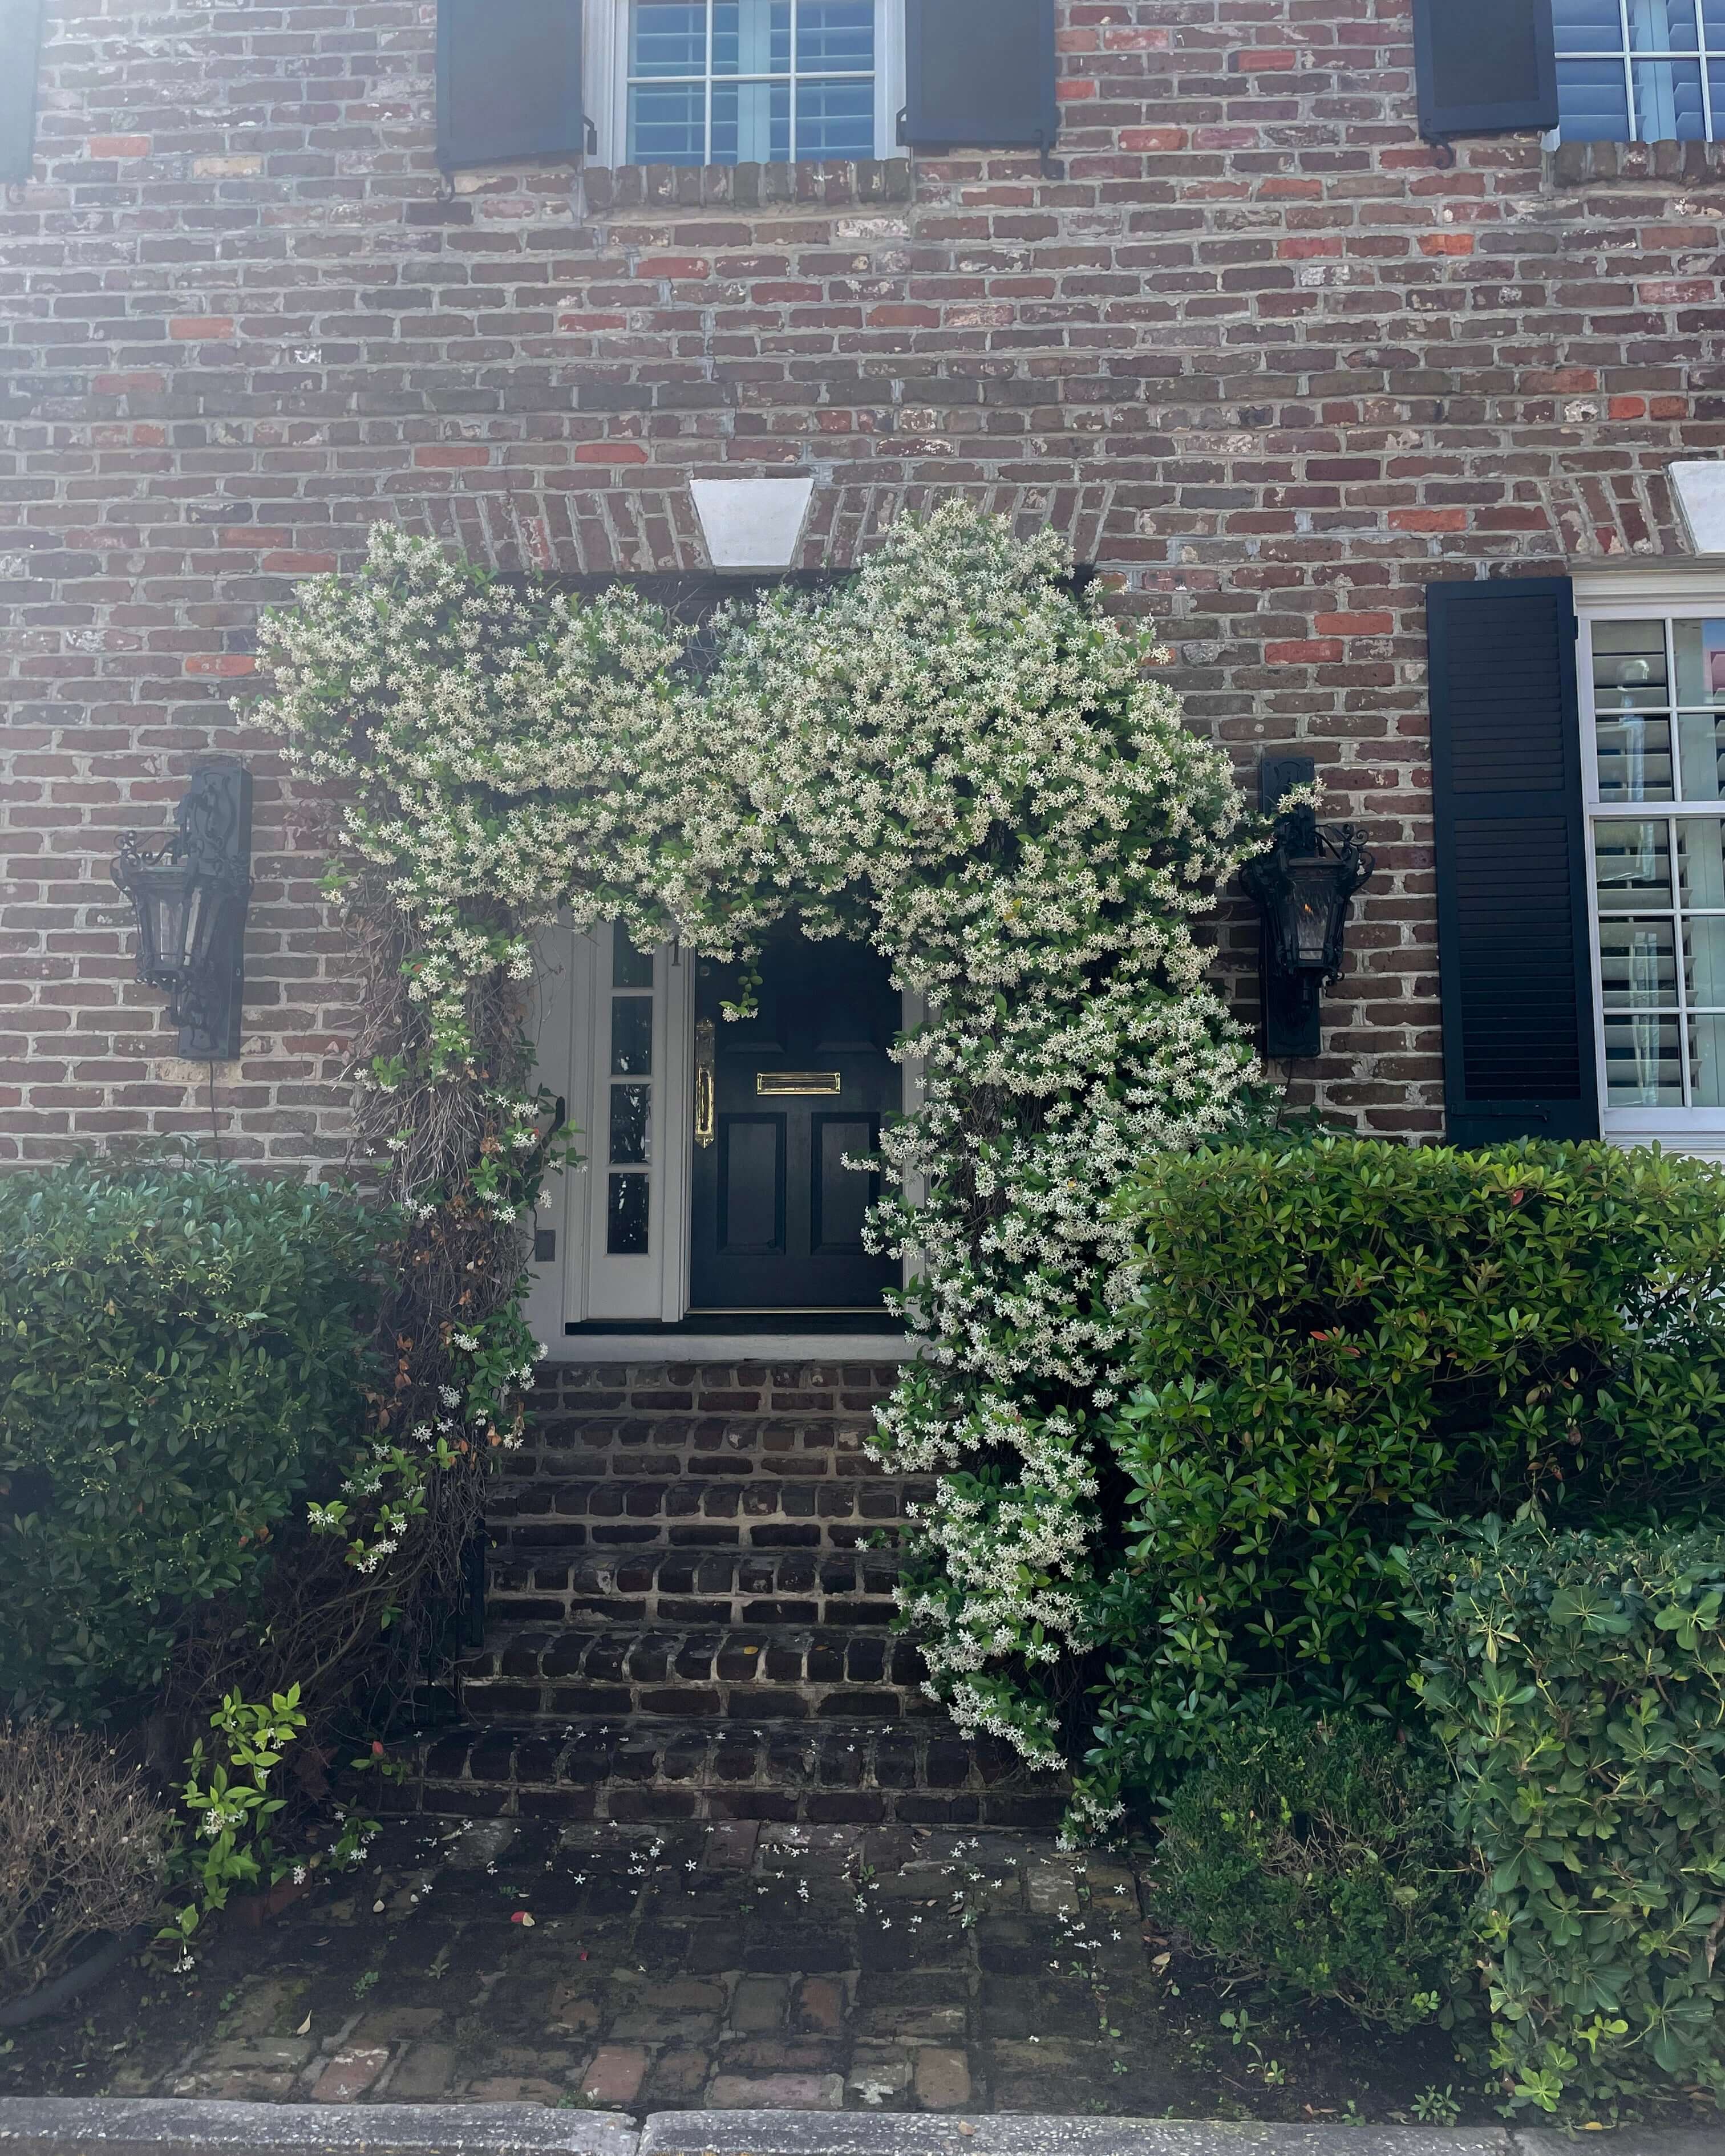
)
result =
(635, 1772)
(688, 1617)
(690, 1510)
(781, 1673)
(658, 1587)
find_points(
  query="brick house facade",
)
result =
(1271, 360)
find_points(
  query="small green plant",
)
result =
(1437, 2106)
(232, 1796)
(228, 1795)
(1315, 1858)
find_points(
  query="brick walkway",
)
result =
(713, 1965)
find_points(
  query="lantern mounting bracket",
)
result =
(190, 890)
(1303, 888)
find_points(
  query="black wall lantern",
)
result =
(1303, 888)
(190, 891)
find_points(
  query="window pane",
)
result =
(1712, 18)
(668, 37)
(1668, 107)
(1593, 102)
(626, 1216)
(1632, 865)
(632, 1036)
(1590, 26)
(1700, 662)
(1634, 759)
(1707, 1062)
(1628, 665)
(667, 126)
(1662, 26)
(1702, 738)
(1638, 965)
(1704, 963)
(836, 35)
(630, 968)
(1700, 865)
(835, 119)
(631, 1109)
(1643, 1062)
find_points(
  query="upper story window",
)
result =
(1641, 70)
(727, 82)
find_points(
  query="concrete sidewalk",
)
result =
(82, 2126)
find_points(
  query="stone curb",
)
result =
(188, 2126)
(169, 2126)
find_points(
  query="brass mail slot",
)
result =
(790, 1085)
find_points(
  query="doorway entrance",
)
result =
(782, 1099)
(714, 1191)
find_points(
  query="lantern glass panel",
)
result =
(1314, 905)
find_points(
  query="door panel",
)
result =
(839, 1197)
(752, 1151)
(777, 1218)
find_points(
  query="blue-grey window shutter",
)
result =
(20, 48)
(1484, 67)
(980, 75)
(508, 80)
(1513, 958)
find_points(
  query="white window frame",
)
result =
(1631, 56)
(605, 65)
(1643, 596)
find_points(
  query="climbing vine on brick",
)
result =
(950, 756)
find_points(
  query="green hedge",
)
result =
(1331, 1336)
(1579, 1682)
(1315, 1858)
(180, 1356)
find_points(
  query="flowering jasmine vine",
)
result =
(953, 757)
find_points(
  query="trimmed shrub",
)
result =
(1578, 1681)
(179, 1361)
(1315, 1858)
(83, 1850)
(1333, 1336)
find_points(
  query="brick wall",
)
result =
(1269, 359)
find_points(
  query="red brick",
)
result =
(119, 146)
(611, 453)
(1428, 520)
(201, 329)
(1305, 651)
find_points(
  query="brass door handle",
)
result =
(706, 1121)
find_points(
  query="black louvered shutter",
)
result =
(1485, 67)
(20, 46)
(980, 75)
(508, 80)
(1519, 1059)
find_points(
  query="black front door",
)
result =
(781, 1098)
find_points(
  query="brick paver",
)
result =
(711, 1965)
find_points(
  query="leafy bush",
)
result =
(1315, 1857)
(1332, 1337)
(1579, 1682)
(178, 1361)
(83, 1849)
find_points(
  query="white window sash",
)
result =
(605, 57)
(1660, 595)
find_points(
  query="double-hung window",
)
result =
(727, 82)
(1641, 70)
(1652, 688)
